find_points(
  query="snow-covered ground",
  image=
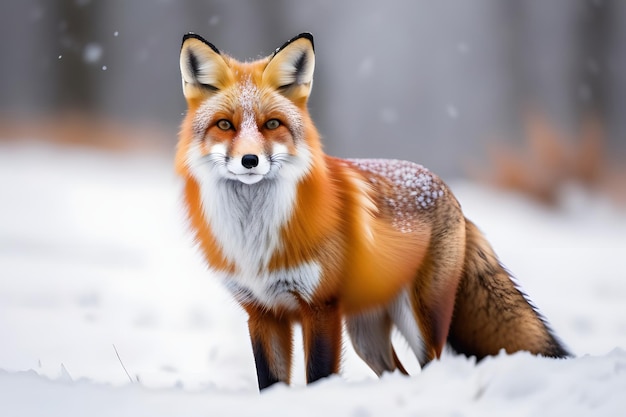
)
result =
(95, 262)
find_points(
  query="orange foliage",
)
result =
(551, 160)
(78, 129)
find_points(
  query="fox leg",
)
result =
(370, 333)
(321, 330)
(402, 314)
(271, 337)
(432, 295)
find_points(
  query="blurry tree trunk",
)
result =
(80, 55)
(594, 29)
(614, 73)
(258, 25)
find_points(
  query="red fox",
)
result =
(300, 236)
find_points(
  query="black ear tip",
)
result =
(191, 35)
(306, 35)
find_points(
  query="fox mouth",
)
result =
(239, 171)
(247, 178)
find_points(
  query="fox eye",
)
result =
(224, 124)
(272, 124)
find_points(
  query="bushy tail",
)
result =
(491, 313)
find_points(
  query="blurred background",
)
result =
(526, 95)
(492, 95)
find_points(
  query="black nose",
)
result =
(249, 161)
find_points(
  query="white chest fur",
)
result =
(246, 221)
(278, 288)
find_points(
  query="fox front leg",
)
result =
(321, 329)
(271, 337)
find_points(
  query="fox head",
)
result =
(246, 121)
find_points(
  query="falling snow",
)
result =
(389, 115)
(92, 53)
(452, 111)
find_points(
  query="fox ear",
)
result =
(290, 68)
(202, 67)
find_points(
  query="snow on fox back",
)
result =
(414, 188)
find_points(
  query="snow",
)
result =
(92, 52)
(413, 188)
(95, 261)
(452, 111)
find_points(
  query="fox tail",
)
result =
(491, 313)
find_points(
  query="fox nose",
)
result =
(249, 161)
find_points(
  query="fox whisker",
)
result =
(217, 159)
